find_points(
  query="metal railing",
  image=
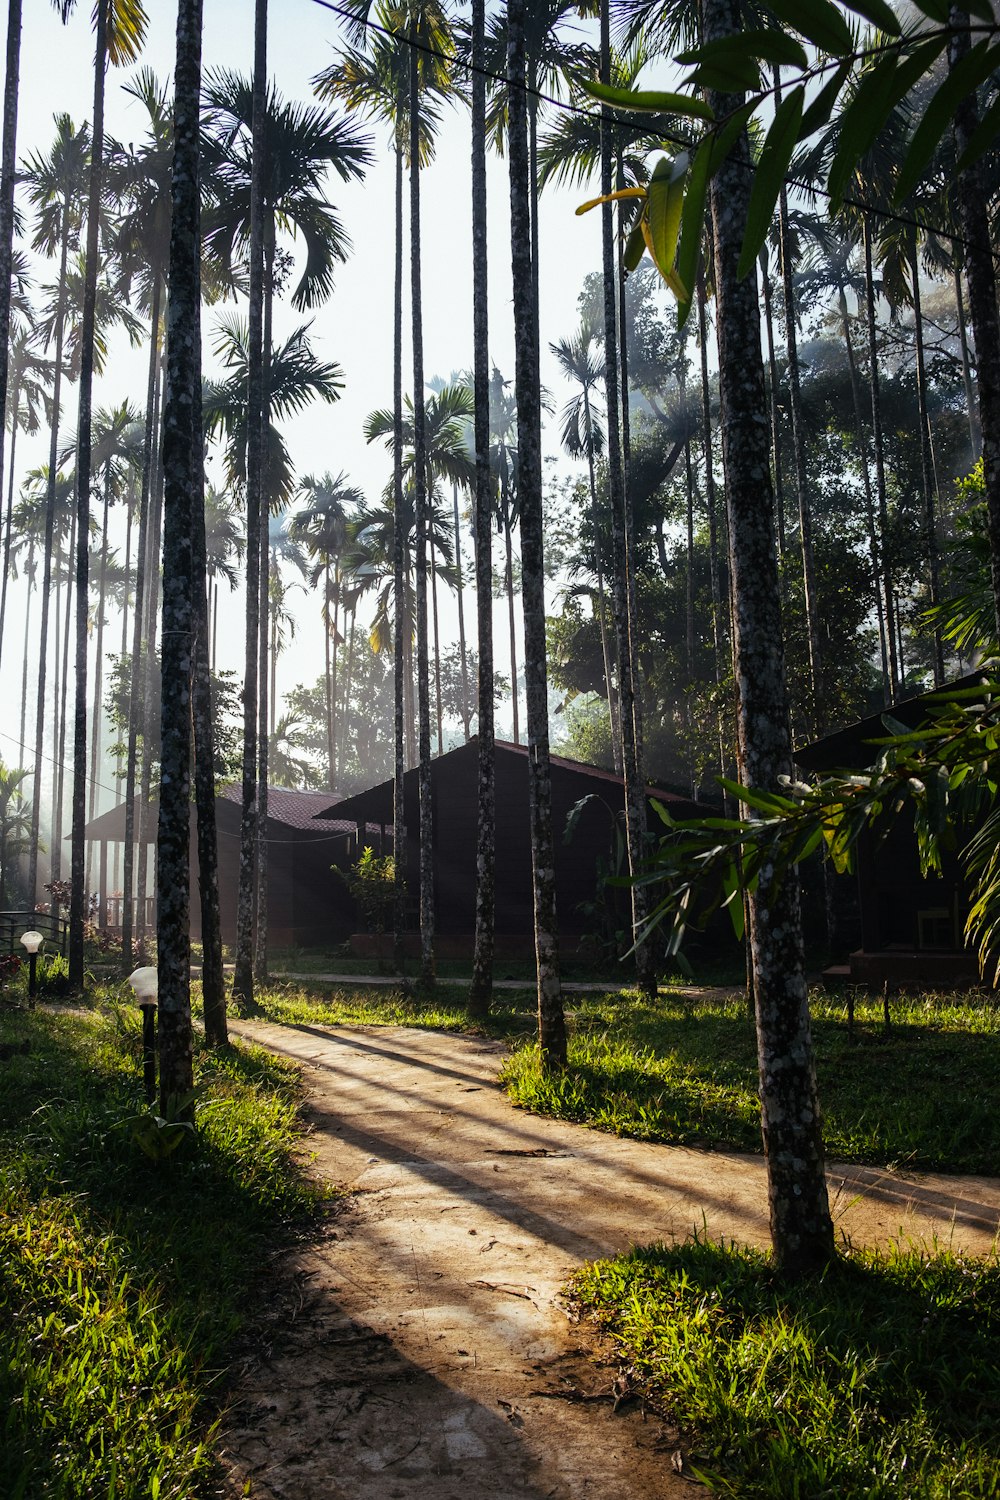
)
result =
(54, 929)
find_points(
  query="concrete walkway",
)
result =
(421, 1349)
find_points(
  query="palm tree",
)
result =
(15, 827)
(8, 165)
(378, 83)
(282, 153)
(481, 988)
(54, 190)
(551, 1021)
(321, 527)
(29, 402)
(120, 29)
(802, 1232)
(224, 542)
(583, 434)
(183, 515)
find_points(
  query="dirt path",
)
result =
(421, 1350)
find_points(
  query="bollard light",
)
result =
(144, 983)
(31, 942)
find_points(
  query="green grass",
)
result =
(882, 1379)
(124, 1281)
(295, 1004)
(926, 1094)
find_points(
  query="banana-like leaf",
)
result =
(771, 46)
(819, 21)
(879, 13)
(693, 225)
(647, 100)
(818, 113)
(967, 74)
(635, 246)
(934, 10)
(770, 176)
(630, 192)
(664, 202)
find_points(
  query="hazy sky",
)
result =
(355, 327)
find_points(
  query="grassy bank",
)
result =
(882, 1379)
(124, 1280)
(924, 1093)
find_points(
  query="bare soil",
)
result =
(421, 1348)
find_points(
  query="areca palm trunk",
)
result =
(260, 933)
(629, 702)
(481, 989)
(137, 666)
(29, 569)
(616, 747)
(927, 476)
(400, 615)
(866, 479)
(150, 684)
(8, 167)
(183, 498)
(888, 592)
(78, 893)
(772, 365)
(980, 275)
(50, 514)
(963, 339)
(551, 1019)
(95, 728)
(420, 501)
(801, 1228)
(243, 983)
(9, 517)
(463, 660)
(801, 477)
(437, 656)
(61, 686)
(511, 628)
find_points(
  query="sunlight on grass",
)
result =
(881, 1378)
(124, 1280)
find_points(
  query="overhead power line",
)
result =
(891, 216)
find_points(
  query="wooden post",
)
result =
(102, 886)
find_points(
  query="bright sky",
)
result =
(355, 327)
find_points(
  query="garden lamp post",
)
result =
(31, 942)
(143, 982)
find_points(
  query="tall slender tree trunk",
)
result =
(626, 624)
(801, 478)
(481, 989)
(400, 613)
(462, 656)
(866, 480)
(78, 893)
(927, 476)
(975, 436)
(551, 1020)
(9, 517)
(137, 673)
(616, 746)
(95, 734)
(8, 169)
(243, 985)
(61, 686)
(437, 656)
(50, 514)
(511, 628)
(888, 592)
(151, 668)
(775, 413)
(980, 276)
(183, 498)
(264, 616)
(801, 1228)
(29, 571)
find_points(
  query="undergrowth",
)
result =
(878, 1381)
(922, 1093)
(124, 1280)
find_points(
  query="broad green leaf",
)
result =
(771, 46)
(635, 245)
(981, 9)
(819, 21)
(693, 224)
(973, 69)
(731, 75)
(935, 10)
(647, 100)
(770, 175)
(631, 192)
(983, 137)
(880, 90)
(664, 203)
(879, 13)
(817, 114)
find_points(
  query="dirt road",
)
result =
(421, 1350)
